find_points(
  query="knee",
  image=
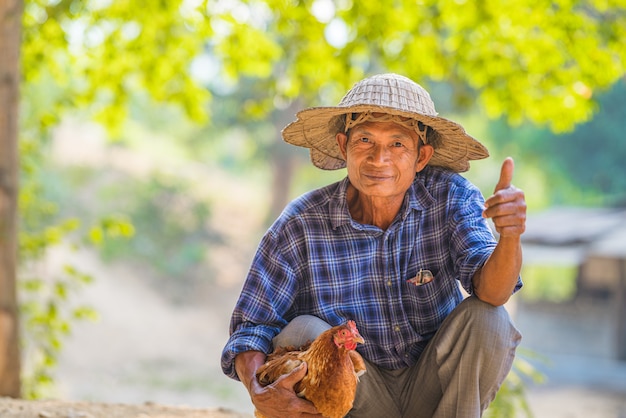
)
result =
(309, 325)
(301, 330)
(490, 322)
(478, 309)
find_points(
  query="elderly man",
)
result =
(388, 247)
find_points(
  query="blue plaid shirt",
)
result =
(315, 259)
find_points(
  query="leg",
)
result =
(301, 330)
(464, 364)
(374, 393)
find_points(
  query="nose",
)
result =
(379, 154)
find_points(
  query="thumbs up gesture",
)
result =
(507, 206)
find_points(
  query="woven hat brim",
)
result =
(316, 128)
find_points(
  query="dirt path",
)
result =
(11, 408)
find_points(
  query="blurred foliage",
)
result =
(535, 60)
(584, 166)
(510, 401)
(171, 231)
(48, 304)
(165, 231)
(99, 52)
(555, 283)
(48, 312)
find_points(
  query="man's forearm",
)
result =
(495, 282)
(246, 365)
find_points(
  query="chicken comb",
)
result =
(352, 325)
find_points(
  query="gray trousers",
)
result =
(457, 375)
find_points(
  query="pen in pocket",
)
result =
(422, 277)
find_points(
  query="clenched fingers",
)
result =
(507, 209)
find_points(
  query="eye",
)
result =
(398, 144)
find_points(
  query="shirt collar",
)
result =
(417, 198)
(339, 213)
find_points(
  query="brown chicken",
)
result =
(333, 371)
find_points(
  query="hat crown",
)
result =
(392, 91)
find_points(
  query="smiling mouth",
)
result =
(377, 177)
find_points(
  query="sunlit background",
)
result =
(152, 164)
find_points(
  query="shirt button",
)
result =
(389, 283)
(397, 328)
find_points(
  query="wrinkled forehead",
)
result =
(354, 119)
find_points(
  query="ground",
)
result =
(11, 408)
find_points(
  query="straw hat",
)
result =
(392, 94)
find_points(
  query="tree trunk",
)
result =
(283, 165)
(10, 30)
(283, 161)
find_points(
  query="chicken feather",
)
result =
(333, 369)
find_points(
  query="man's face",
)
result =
(383, 157)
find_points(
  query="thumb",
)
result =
(506, 174)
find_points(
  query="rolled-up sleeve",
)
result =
(246, 338)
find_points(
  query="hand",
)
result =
(507, 206)
(279, 399)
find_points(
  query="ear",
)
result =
(425, 154)
(342, 141)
